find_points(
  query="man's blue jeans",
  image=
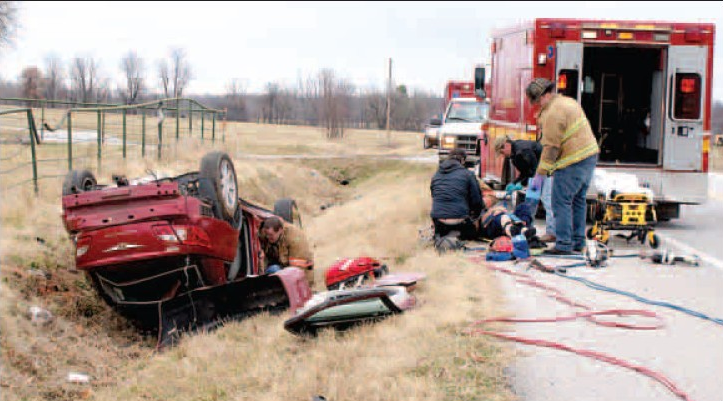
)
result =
(569, 188)
(546, 199)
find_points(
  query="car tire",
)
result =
(287, 209)
(218, 169)
(77, 181)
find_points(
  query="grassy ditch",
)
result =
(419, 355)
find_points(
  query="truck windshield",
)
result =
(468, 112)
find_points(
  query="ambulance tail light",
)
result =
(562, 82)
(567, 83)
(688, 96)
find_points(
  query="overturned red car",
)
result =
(177, 253)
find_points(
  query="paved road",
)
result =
(689, 351)
(700, 227)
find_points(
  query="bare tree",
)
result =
(103, 93)
(334, 111)
(84, 79)
(176, 75)
(270, 102)
(235, 102)
(132, 68)
(31, 83)
(308, 99)
(8, 13)
(408, 112)
(376, 108)
(276, 104)
(53, 77)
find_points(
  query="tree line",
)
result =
(82, 80)
(322, 99)
(325, 99)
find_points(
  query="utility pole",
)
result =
(389, 102)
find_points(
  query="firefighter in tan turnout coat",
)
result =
(570, 153)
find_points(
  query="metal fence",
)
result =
(46, 138)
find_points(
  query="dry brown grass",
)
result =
(418, 355)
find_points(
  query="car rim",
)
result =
(87, 184)
(228, 185)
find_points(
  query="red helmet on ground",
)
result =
(350, 270)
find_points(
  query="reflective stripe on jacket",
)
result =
(567, 137)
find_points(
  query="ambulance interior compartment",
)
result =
(622, 94)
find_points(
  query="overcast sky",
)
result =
(430, 42)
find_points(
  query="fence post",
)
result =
(143, 135)
(160, 138)
(124, 133)
(213, 128)
(42, 120)
(33, 132)
(202, 118)
(70, 140)
(178, 121)
(190, 119)
(103, 131)
(100, 137)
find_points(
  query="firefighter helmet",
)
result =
(537, 88)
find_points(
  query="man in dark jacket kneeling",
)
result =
(456, 198)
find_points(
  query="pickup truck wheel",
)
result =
(218, 169)
(288, 210)
(78, 181)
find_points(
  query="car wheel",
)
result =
(78, 181)
(288, 210)
(218, 169)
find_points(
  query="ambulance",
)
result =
(645, 86)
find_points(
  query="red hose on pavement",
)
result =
(588, 314)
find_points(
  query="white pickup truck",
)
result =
(463, 128)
